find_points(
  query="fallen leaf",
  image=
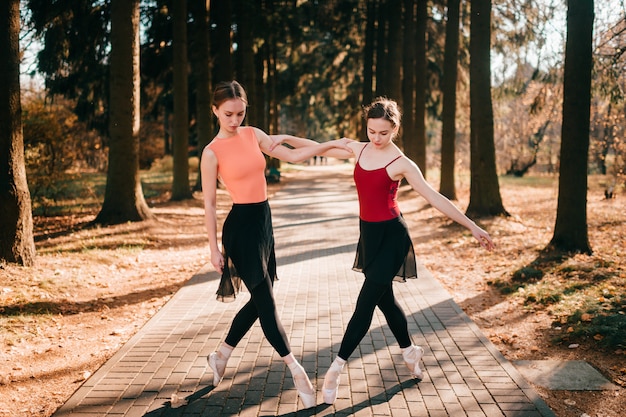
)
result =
(177, 401)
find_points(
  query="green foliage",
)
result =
(57, 147)
(585, 294)
(527, 273)
(601, 318)
(73, 60)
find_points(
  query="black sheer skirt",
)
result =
(248, 246)
(385, 251)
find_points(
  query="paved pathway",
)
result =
(316, 229)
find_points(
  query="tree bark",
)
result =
(201, 62)
(16, 222)
(570, 230)
(382, 88)
(181, 189)
(448, 115)
(418, 153)
(368, 63)
(123, 196)
(408, 81)
(246, 68)
(221, 44)
(485, 197)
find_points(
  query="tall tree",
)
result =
(369, 51)
(180, 183)
(247, 15)
(74, 59)
(408, 81)
(16, 223)
(418, 151)
(570, 230)
(382, 23)
(485, 197)
(123, 196)
(394, 50)
(448, 112)
(201, 59)
(221, 43)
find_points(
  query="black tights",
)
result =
(263, 307)
(373, 295)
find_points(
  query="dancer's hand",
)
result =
(217, 260)
(483, 238)
(277, 140)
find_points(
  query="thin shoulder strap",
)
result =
(361, 153)
(393, 160)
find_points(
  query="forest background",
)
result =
(517, 89)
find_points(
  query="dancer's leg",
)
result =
(243, 321)
(263, 298)
(274, 332)
(361, 319)
(358, 326)
(396, 319)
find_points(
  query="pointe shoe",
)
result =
(331, 383)
(301, 381)
(308, 400)
(216, 363)
(412, 356)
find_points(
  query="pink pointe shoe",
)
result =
(218, 366)
(331, 387)
(306, 392)
(412, 356)
(332, 379)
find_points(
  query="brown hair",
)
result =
(383, 108)
(228, 90)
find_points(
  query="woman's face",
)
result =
(230, 115)
(380, 132)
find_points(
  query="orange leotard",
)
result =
(241, 166)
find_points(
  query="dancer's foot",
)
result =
(331, 381)
(412, 356)
(303, 385)
(217, 361)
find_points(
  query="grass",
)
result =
(79, 193)
(585, 294)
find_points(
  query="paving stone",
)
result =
(564, 375)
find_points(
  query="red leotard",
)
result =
(378, 193)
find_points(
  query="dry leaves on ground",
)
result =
(93, 288)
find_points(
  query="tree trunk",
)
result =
(570, 230)
(181, 189)
(202, 69)
(123, 196)
(485, 197)
(246, 69)
(382, 88)
(408, 80)
(448, 129)
(418, 151)
(221, 44)
(368, 62)
(395, 49)
(16, 222)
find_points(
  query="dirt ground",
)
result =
(93, 288)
